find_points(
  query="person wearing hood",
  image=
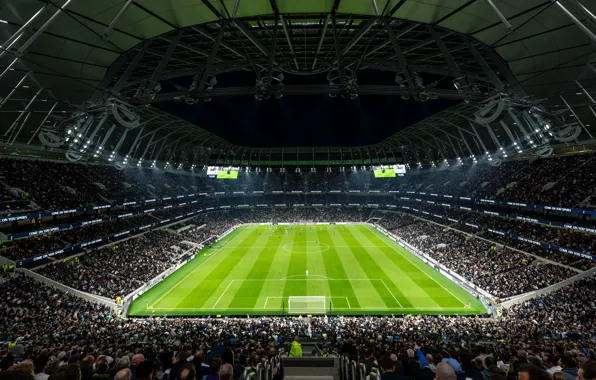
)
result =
(296, 349)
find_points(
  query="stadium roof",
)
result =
(73, 59)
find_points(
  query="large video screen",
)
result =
(228, 173)
(222, 173)
(390, 171)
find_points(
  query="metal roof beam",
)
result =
(214, 49)
(323, 33)
(398, 53)
(455, 11)
(337, 48)
(212, 9)
(289, 40)
(248, 34)
(363, 30)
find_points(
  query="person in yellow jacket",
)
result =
(296, 349)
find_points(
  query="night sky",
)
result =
(313, 120)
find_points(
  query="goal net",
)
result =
(307, 305)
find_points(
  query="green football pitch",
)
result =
(305, 269)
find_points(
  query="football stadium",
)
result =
(307, 189)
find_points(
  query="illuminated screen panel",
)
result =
(400, 170)
(227, 173)
(212, 171)
(384, 172)
(390, 171)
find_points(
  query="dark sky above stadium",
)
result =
(313, 120)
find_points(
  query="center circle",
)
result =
(306, 247)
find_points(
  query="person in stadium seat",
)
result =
(145, 371)
(569, 367)
(240, 366)
(67, 372)
(226, 372)
(123, 374)
(296, 348)
(444, 371)
(532, 372)
(550, 362)
(348, 348)
(587, 371)
(188, 372)
(388, 370)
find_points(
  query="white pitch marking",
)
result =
(222, 294)
(422, 270)
(188, 275)
(392, 295)
(355, 308)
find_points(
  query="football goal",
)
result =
(307, 305)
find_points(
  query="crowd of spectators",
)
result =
(471, 221)
(502, 272)
(558, 181)
(117, 270)
(36, 245)
(60, 332)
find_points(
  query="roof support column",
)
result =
(323, 33)
(23, 48)
(289, 40)
(162, 64)
(575, 116)
(470, 151)
(109, 29)
(130, 68)
(577, 22)
(506, 23)
(106, 137)
(338, 55)
(212, 55)
(42, 122)
(15, 88)
(446, 54)
(398, 53)
(272, 54)
(148, 144)
(13, 135)
(508, 131)
(494, 79)
(19, 33)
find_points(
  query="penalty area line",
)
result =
(222, 294)
(182, 280)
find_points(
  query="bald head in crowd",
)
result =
(226, 372)
(123, 374)
(445, 372)
(138, 359)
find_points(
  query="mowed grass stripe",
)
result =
(369, 264)
(248, 292)
(257, 264)
(163, 292)
(316, 265)
(427, 284)
(372, 293)
(207, 285)
(400, 278)
(426, 280)
(296, 268)
(335, 269)
(277, 270)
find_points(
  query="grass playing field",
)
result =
(256, 269)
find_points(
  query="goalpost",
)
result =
(307, 305)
